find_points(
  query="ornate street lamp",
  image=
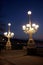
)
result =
(30, 29)
(9, 35)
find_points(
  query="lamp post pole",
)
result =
(8, 44)
(30, 29)
(9, 35)
(30, 41)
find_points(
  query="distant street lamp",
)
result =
(9, 35)
(30, 29)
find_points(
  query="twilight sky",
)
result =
(15, 12)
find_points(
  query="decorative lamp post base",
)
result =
(31, 44)
(8, 45)
(31, 47)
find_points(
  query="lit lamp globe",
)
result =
(29, 12)
(9, 24)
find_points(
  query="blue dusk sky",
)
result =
(15, 12)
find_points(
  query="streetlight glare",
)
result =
(29, 12)
(23, 27)
(5, 33)
(30, 28)
(12, 34)
(27, 25)
(9, 24)
(33, 25)
(36, 27)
